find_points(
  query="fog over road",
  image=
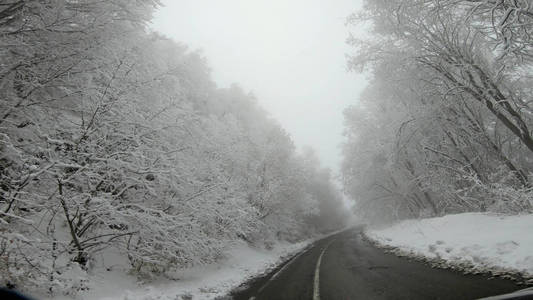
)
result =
(344, 266)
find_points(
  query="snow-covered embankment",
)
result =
(473, 242)
(199, 283)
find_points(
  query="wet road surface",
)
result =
(345, 266)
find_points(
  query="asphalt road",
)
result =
(344, 266)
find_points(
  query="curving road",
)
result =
(344, 266)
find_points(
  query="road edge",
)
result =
(270, 272)
(459, 266)
(275, 270)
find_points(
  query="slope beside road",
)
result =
(478, 242)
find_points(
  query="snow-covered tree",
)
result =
(112, 137)
(446, 118)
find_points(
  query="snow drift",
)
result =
(486, 242)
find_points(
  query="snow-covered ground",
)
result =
(207, 282)
(484, 241)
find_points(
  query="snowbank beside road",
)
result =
(207, 282)
(483, 241)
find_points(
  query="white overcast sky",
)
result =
(289, 53)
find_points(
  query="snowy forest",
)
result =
(115, 137)
(121, 154)
(445, 125)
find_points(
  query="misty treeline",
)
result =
(445, 123)
(113, 137)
